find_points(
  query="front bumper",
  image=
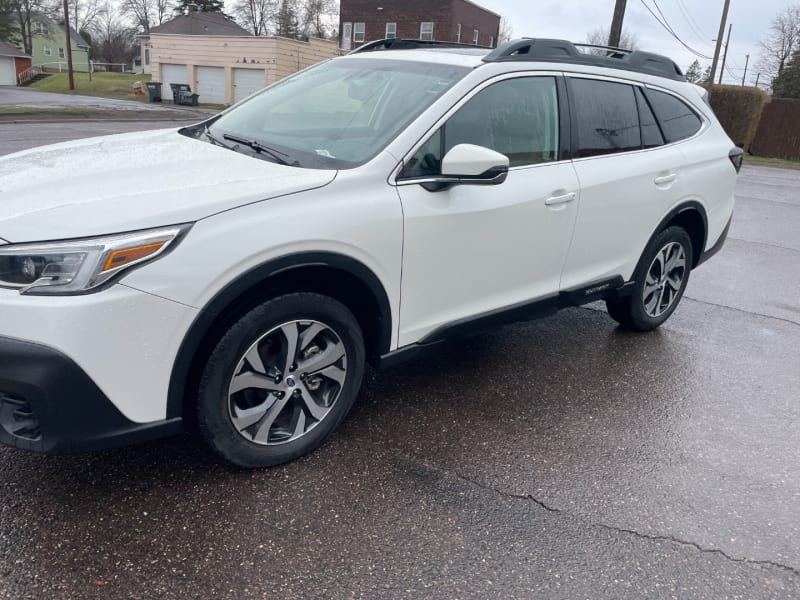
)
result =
(49, 404)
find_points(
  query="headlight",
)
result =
(78, 266)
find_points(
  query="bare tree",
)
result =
(25, 12)
(783, 39)
(85, 14)
(147, 13)
(317, 17)
(599, 37)
(255, 15)
(114, 41)
(506, 31)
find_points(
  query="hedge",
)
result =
(739, 110)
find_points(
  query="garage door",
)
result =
(246, 82)
(211, 85)
(172, 74)
(8, 75)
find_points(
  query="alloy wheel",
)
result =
(287, 382)
(664, 279)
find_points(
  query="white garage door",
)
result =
(172, 74)
(246, 82)
(8, 76)
(211, 85)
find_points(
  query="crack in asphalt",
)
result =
(741, 310)
(778, 246)
(644, 536)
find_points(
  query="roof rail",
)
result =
(546, 50)
(410, 44)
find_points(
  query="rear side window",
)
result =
(607, 117)
(651, 133)
(678, 121)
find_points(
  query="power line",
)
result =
(701, 35)
(671, 32)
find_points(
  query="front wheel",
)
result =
(280, 380)
(661, 278)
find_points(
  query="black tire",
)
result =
(217, 404)
(632, 312)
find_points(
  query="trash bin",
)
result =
(154, 91)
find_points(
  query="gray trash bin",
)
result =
(154, 91)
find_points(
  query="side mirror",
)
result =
(467, 164)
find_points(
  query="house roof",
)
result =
(77, 39)
(201, 23)
(9, 50)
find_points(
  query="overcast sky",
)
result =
(695, 21)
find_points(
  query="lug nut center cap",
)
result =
(290, 381)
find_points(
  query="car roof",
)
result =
(460, 57)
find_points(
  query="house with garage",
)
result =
(49, 46)
(462, 21)
(222, 62)
(13, 62)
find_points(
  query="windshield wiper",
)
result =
(276, 155)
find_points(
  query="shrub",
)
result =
(739, 110)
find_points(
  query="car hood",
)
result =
(133, 181)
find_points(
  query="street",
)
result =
(563, 458)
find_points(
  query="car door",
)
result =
(629, 179)
(470, 250)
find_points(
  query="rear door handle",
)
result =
(665, 179)
(554, 200)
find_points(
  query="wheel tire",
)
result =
(634, 312)
(295, 423)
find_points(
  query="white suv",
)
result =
(238, 274)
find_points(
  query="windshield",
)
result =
(337, 115)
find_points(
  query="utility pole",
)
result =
(615, 33)
(69, 46)
(725, 55)
(746, 62)
(758, 76)
(719, 40)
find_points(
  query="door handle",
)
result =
(665, 179)
(554, 200)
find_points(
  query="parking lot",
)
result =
(563, 458)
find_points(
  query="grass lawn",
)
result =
(771, 162)
(108, 85)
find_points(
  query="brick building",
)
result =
(462, 21)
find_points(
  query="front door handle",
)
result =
(666, 179)
(563, 199)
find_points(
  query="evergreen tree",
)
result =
(8, 23)
(787, 83)
(199, 5)
(694, 73)
(706, 74)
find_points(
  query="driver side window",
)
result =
(516, 117)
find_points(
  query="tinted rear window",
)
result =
(678, 121)
(607, 117)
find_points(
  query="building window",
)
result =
(358, 32)
(475, 35)
(61, 53)
(458, 33)
(347, 36)
(147, 56)
(426, 31)
(40, 28)
(391, 31)
(48, 51)
(491, 41)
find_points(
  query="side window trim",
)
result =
(643, 90)
(397, 178)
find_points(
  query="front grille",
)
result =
(18, 418)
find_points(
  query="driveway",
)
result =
(563, 458)
(27, 97)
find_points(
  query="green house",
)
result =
(49, 46)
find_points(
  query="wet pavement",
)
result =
(562, 458)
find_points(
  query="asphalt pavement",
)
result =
(563, 458)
